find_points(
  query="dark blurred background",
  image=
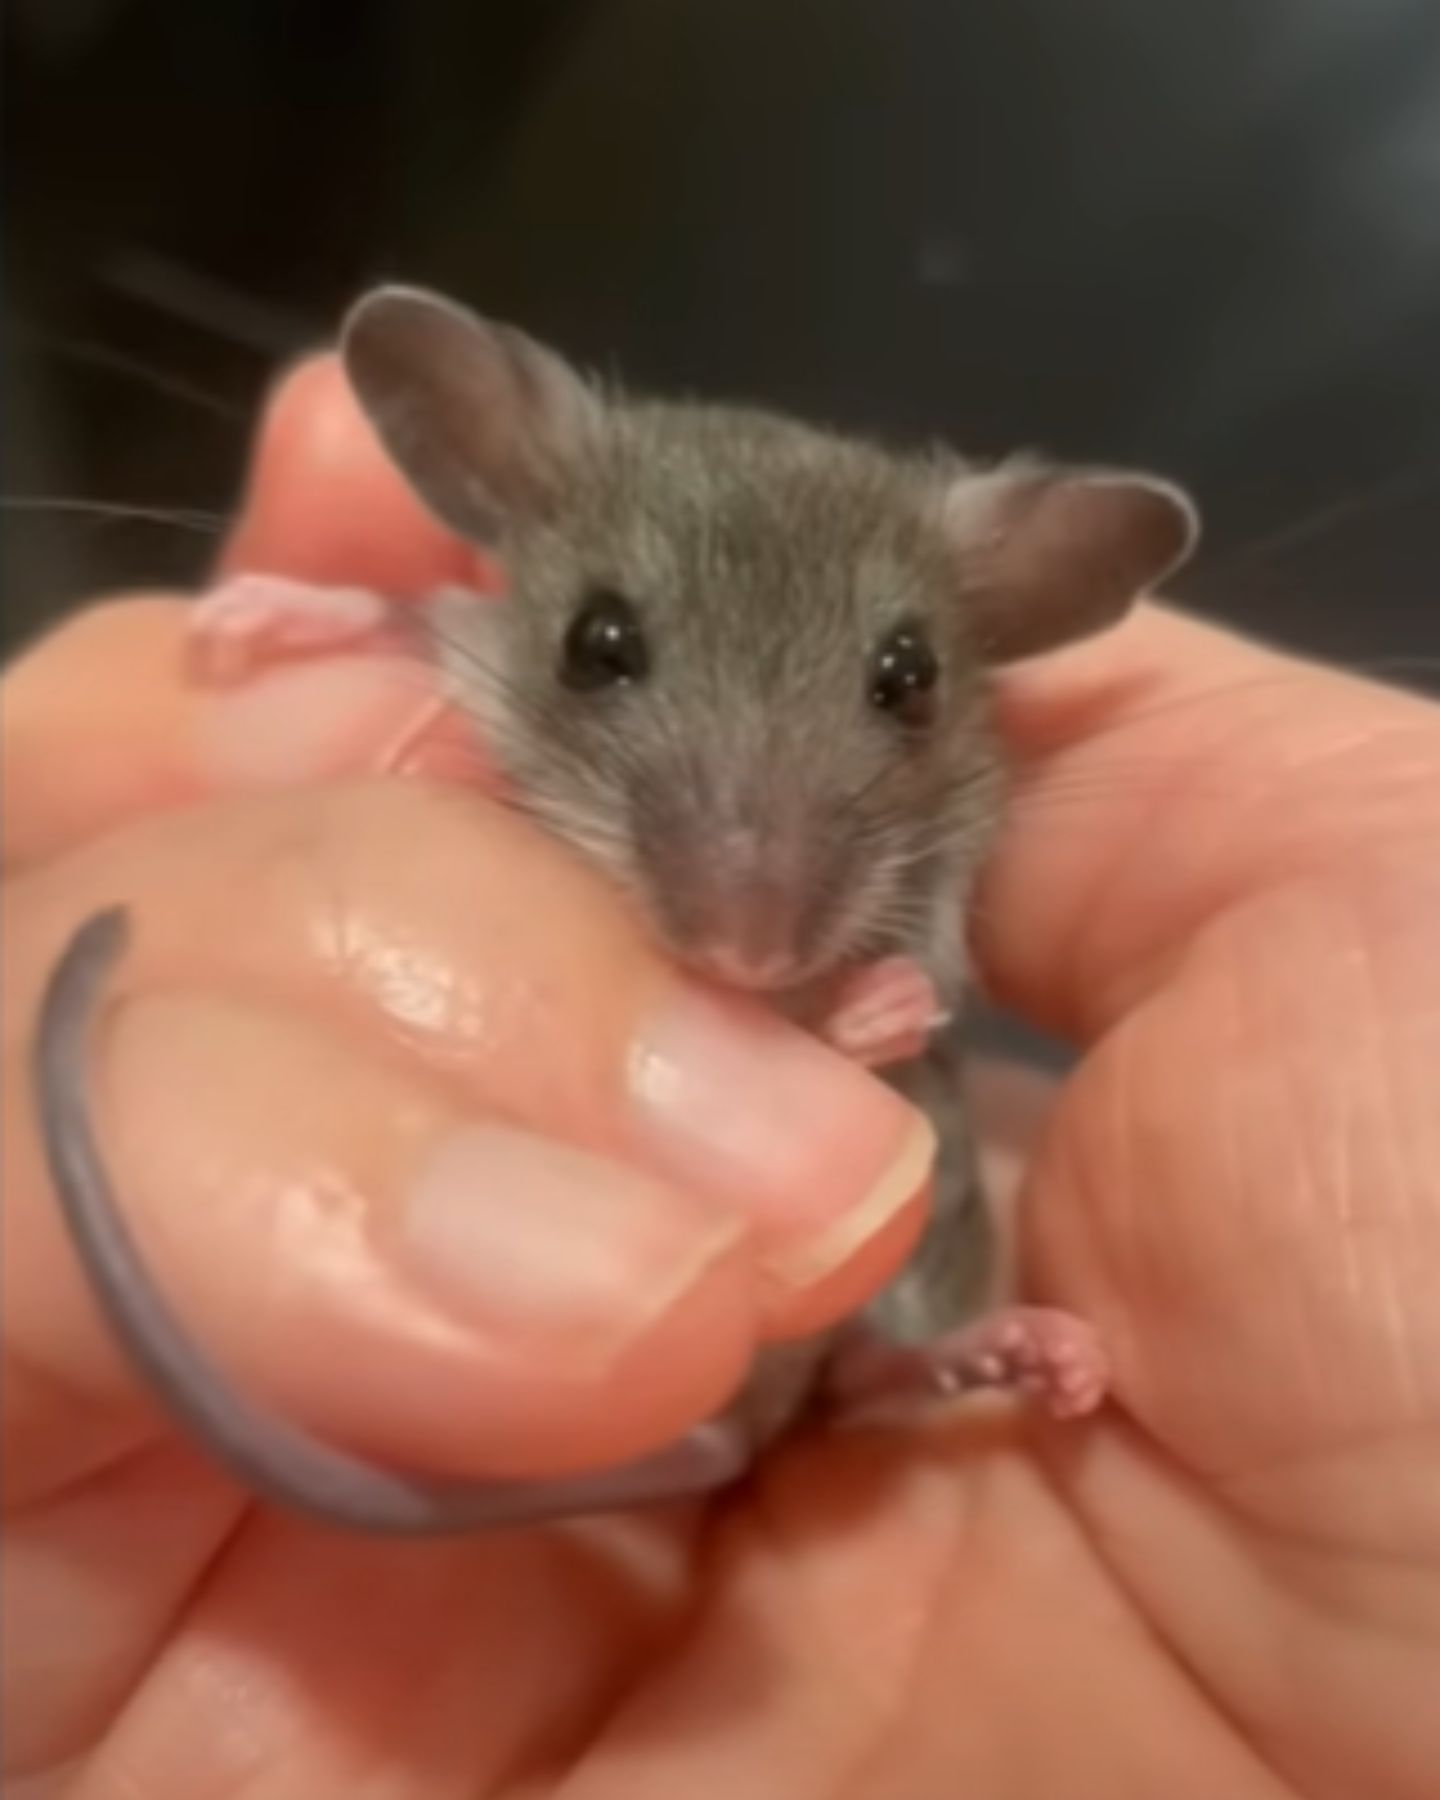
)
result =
(1203, 235)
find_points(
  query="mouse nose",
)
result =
(738, 966)
(732, 898)
(746, 925)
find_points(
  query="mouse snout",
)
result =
(733, 906)
(744, 935)
(745, 925)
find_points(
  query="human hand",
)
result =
(379, 1091)
(1218, 881)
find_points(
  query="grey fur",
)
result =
(766, 561)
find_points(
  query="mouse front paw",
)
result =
(258, 621)
(884, 1013)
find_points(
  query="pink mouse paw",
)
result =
(1050, 1356)
(884, 1013)
(256, 621)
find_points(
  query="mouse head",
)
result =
(741, 662)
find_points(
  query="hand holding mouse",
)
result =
(1219, 875)
(351, 1007)
(744, 667)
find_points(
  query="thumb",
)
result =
(298, 1112)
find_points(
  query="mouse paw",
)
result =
(884, 1013)
(256, 621)
(1048, 1356)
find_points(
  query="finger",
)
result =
(1170, 771)
(99, 724)
(100, 721)
(525, 1278)
(1221, 866)
(325, 504)
(341, 1134)
(1238, 1183)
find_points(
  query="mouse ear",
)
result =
(481, 420)
(1049, 555)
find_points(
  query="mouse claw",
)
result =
(886, 1012)
(255, 622)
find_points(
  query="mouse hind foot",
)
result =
(1037, 1352)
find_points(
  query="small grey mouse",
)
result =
(744, 665)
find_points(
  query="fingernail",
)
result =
(818, 1153)
(541, 1241)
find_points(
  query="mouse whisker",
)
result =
(575, 823)
(488, 669)
(153, 376)
(118, 512)
(1199, 700)
(537, 725)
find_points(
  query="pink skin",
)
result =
(252, 623)
(884, 1013)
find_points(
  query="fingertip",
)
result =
(831, 1166)
(324, 503)
(878, 1252)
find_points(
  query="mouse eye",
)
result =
(904, 676)
(604, 645)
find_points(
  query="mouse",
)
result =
(745, 665)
